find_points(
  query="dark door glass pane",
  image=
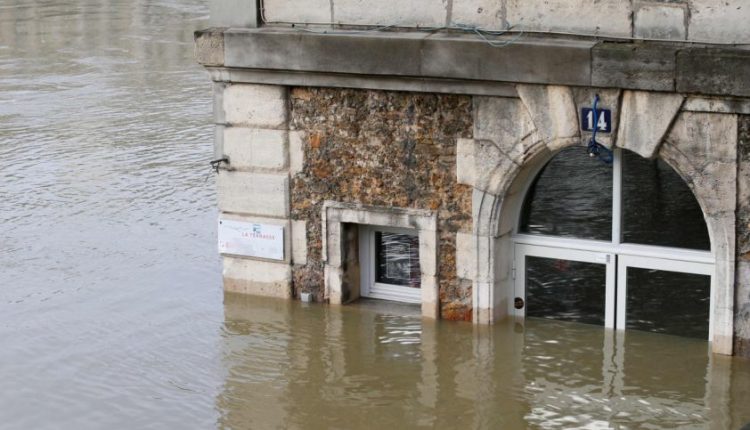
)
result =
(565, 290)
(397, 259)
(571, 197)
(658, 206)
(668, 302)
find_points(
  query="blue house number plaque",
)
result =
(603, 123)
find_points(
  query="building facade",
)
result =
(577, 160)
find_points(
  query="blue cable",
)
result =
(596, 149)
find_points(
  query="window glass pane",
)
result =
(658, 206)
(565, 290)
(571, 197)
(397, 259)
(668, 302)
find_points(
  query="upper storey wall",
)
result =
(715, 21)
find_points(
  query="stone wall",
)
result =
(382, 149)
(697, 20)
(742, 299)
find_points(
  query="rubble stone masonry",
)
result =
(388, 149)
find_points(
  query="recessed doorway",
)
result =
(621, 245)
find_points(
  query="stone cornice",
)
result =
(447, 62)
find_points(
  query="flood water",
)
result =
(111, 309)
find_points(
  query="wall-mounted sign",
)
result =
(251, 239)
(603, 123)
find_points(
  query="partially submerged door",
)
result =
(623, 245)
(565, 284)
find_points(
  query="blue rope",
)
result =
(596, 149)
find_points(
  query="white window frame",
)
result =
(367, 262)
(623, 255)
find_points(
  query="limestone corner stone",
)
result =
(296, 152)
(465, 162)
(260, 278)
(249, 148)
(465, 255)
(299, 242)
(256, 105)
(263, 194)
(553, 111)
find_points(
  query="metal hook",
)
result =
(216, 164)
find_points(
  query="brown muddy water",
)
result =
(111, 309)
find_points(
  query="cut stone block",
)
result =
(261, 194)
(633, 65)
(255, 148)
(255, 105)
(465, 161)
(507, 123)
(600, 17)
(487, 14)
(742, 314)
(334, 284)
(296, 152)
(413, 13)
(465, 256)
(297, 11)
(724, 21)
(209, 48)
(430, 297)
(299, 242)
(645, 119)
(260, 278)
(661, 21)
(553, 111)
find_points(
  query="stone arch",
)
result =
(514, 138)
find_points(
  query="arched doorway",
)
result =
(622, 245)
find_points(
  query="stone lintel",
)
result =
(713, 71)
(637, 65)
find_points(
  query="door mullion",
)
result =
(617, 197)
(622, 290)
(610, 292)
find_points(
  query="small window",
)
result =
(389, 259)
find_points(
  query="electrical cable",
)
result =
(480, 31)
(596, 149)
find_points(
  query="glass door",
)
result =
(624, 245)
(664, 296)
(565, 284)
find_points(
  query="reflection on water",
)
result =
(110, 297)
(111, 312)
(570, 197)
(565, 290)
(292, 365)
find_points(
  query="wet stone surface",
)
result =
(384, 149)
(742, 279)
(743, 200)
